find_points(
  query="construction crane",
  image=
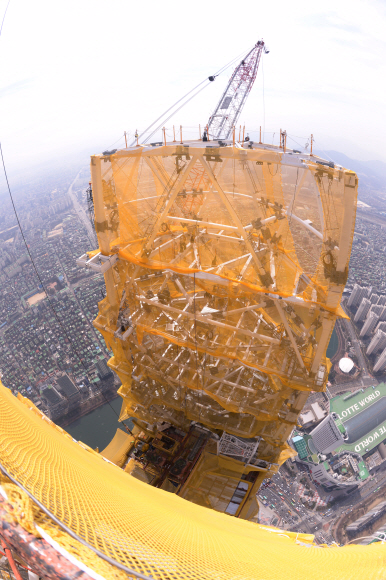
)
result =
(232, 101)
(221, 123)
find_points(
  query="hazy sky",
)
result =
(74, 75)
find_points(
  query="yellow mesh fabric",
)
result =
(150, 530)
(231, 266)
(118, 448)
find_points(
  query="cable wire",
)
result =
(5, 12)
(33, 263)
(43, 286)
(219, 72)
(165, 112)
(262, 67)
(8, 555)
(174, 112)
(17, 561)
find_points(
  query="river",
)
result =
(333, 344)
(98, 427)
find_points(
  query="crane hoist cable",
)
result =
(34, 265)
(211, 78)
(174, 112)
(73, 348)
(165, 112)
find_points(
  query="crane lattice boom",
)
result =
(232, 101)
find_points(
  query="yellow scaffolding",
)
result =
(224, 268)
(225, 273)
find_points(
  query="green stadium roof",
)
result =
(350, 405)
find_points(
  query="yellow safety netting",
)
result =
(150, 531)
(118, 448)
(231, 266)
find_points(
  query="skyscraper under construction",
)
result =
(224, 261)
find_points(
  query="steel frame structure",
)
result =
(240, 364)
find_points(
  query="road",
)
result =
(369, 487)
(351, 503)
(71, 288)
(366, 379)
(295, 516)
(372, 219)
(278, 494)
(82, 215)
(356, 344)
(281, 489)
(360, 383)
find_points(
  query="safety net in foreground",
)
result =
(144, 529)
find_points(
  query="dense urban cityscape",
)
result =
(50, 351)
(51, 354)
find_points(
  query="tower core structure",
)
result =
(219, 318)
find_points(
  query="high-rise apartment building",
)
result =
(363, 310)
(357, 294)
(380, 365)
(381, 326)
(383, 315)
(370, 324)
(377, 343)
(378, 309)
(374, 298)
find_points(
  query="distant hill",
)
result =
(379, 167)
(372, 174)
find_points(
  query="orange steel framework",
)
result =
(224, 268)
